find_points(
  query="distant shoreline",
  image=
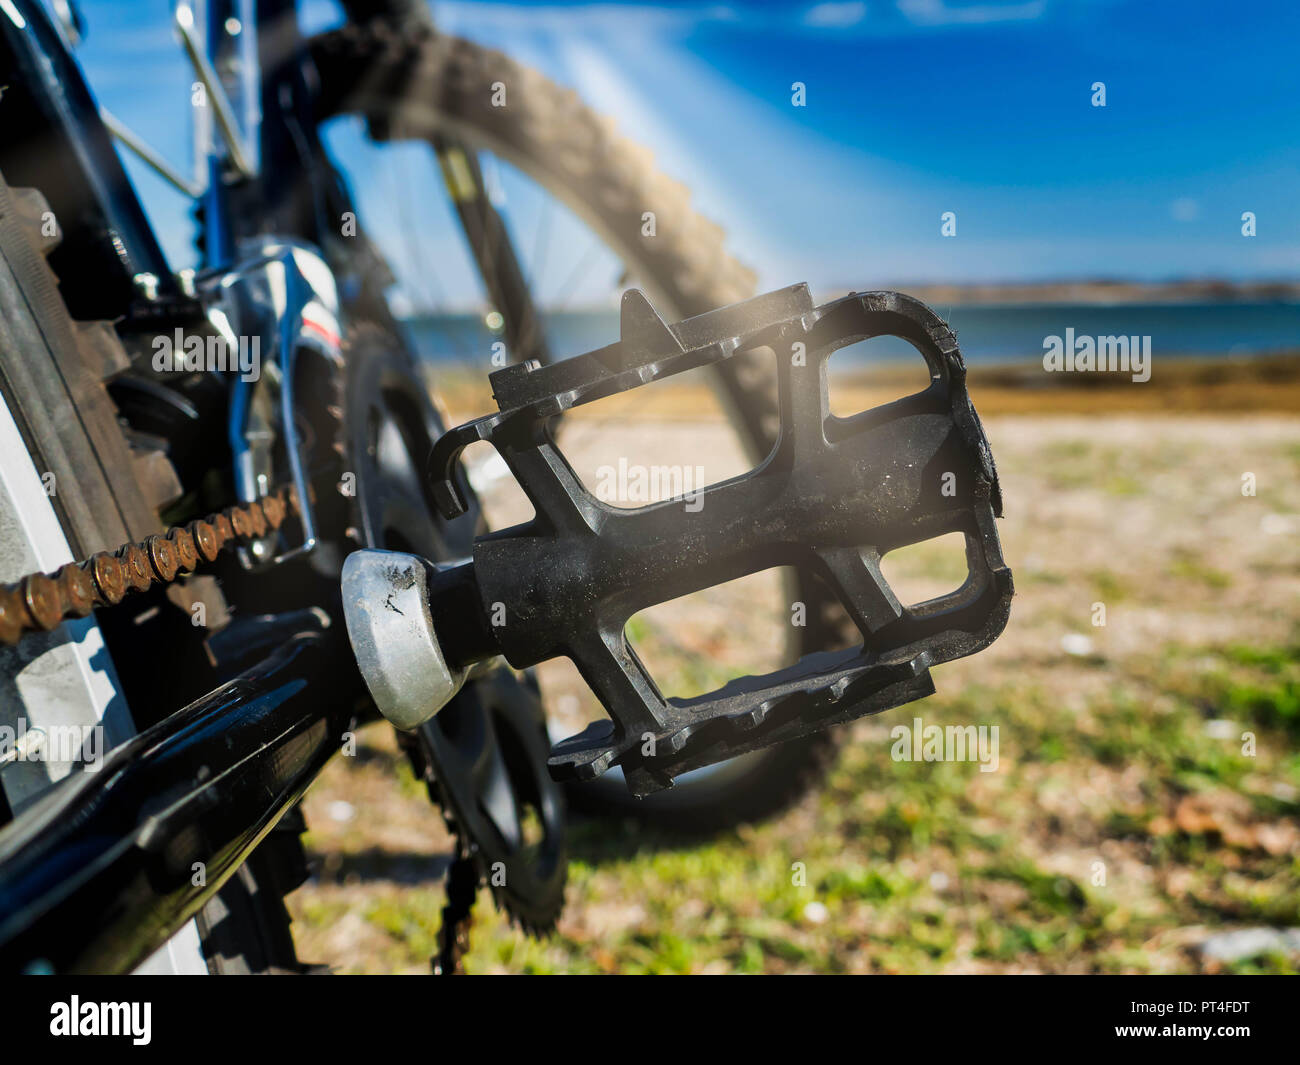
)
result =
(1240, 385)
(1097, 293)
(987, 333)
(996, 294)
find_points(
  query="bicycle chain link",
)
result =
(40, 602)
(462, 884)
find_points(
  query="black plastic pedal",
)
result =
(834, 496)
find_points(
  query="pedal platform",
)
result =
(833, 496)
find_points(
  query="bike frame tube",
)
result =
(101, 870)
(110, 864)
(56, 141)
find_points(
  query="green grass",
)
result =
(1146, 795)
(873, 841)
(922, 867)
(1188, 569)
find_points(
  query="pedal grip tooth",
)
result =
(445, 460)
(447, 498)
(643, 781)
(585, 755)
(642, 330)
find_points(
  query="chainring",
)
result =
(488, 750)
(484, 754)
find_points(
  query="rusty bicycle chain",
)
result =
(457, 913)
(40, 602)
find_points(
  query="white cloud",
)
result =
(496, 20)
(938, 13)
(835, 15)
(476, 19)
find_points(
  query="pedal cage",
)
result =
(834, 495)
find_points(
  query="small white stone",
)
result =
(342, 811)
(816, 913)
(1075, 643)
(938, 881)
(1275, 524)
(1222, 729)
(1251, 942)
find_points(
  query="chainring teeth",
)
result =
(447, 773)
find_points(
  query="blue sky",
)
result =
(914, 108)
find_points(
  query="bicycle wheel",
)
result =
(414, 83)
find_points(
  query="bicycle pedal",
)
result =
(834, 495)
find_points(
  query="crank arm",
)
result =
(833, 497)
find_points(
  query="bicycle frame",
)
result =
(107, 866)
(101, 871)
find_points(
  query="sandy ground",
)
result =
(1121, 744)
